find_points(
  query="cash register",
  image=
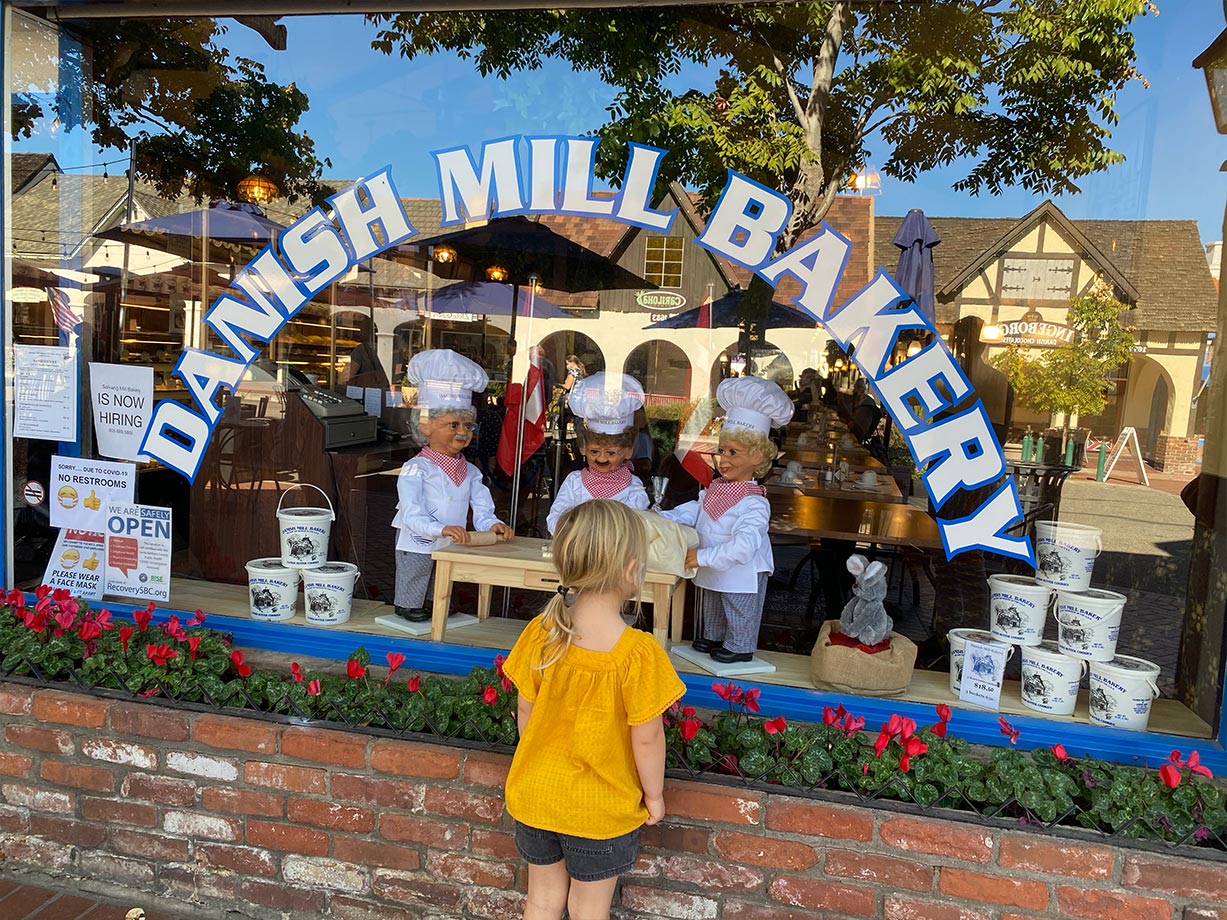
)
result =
(344, 420)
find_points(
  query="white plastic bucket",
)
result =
(1019, 608)
(273, 588)
(328, 592)
(1050, 680)
(1065, 554)
(958, 651)
(1093, 605)
(1122, 691)
(1083, 638)
(304, 532)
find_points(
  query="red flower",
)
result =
(15, 598)
(1058, 751)
(160, 654)
(88, 631)
(687, 712)
(1194, 763)
(853, 724)
(905, 763)
(125, 633)
(939, 729)
(506, 684)
(193, 643)
(727, 692)
(1170, 775)
(415, 684)
(355, 670)
(1175, 758)
(296, 672)
(171, 626)
(142, 618)
(490, 696)
(749, 699)
(36, 621)
(236, 658)
(883, 740)
(64, 619)
(498, 664)
(42, 591)
(773, 726)
(1009, 730)
(908, 728)
(914, 747)
(62, 596)
(197, 618)
(395, 660)
(943, 712)
(689, 728)
(894, 725)
(828, 716)
(103, 619)
(313, 688)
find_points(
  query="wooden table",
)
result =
(519, 564)
(858, 458)
(809, 484)
(855, 521)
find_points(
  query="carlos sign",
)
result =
(955, 450)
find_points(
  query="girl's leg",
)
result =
(547, 892)
(591, 900)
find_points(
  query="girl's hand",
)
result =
(456, 532)
(656, 808)
(503, 531)
(692, 558)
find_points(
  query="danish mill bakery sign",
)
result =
(957, 451)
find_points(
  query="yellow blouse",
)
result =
(574, 770)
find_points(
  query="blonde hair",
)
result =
(754, 441)
(593, 545)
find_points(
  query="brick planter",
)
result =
(1178, 456)
(279, 820)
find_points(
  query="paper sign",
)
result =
(44, 393)
(983, 674)
(76, 563)
(81, 489)
(123, 403)
(138, 551)
(372, 401)
(354, 393)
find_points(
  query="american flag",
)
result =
(64, 317)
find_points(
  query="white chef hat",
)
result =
(445, 380)
(753, 404)
(606, 402)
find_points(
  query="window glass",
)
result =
(258, 236)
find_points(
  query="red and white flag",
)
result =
(693, 460)
(532, 416)
(705, 311)
(65, 318)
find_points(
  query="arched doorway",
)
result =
(766, 360)
(663, 369)
(1159, 400)
(555, 348)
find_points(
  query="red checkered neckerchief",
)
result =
(606, 485)
(723, 494)
(453, 466)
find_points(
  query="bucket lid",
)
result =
(304, 512)
(1025, 581)
(1139, 666)
(1092, 594)
(1048, 648)
(333, 568)
(271, 564)
(975, 635)
(1053, 526)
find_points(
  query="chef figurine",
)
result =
(734, 555)
(437, 488)
(606, 404)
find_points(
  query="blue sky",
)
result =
(368, 109)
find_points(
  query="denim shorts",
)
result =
(587, 860)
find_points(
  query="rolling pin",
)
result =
(483, 538)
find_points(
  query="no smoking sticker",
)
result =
(34, 493)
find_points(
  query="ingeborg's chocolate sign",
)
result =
(1036, 334)
(956, 452)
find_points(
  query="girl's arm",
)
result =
(524, 709)
(648, 745)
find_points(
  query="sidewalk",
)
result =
(22, 901)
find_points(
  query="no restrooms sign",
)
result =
(956, 451)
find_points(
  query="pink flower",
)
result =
(296, 672)
(395, 660)
(160, 654)
(103, 619)
(774, 726)
(1170, 775)
(64, 619)
(828, 716)
(354, 670)
(42, 591)
(853, 724)
(943, 712)
(1009, 730)
(125, 633)
(489, 696)
(689, 728)
(894, 725)
(415, 684)
(313, 688)
(908, 728)
(1058, 751)
(197, 618)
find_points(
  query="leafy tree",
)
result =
(201, 121)
(1072, 379)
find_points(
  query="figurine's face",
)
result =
(735, 461)
(449, 434)
(605, 458)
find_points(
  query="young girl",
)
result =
(606, 404)
(437, 488)
(589, 770)
(732, 516)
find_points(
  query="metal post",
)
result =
(1103, 461)
(518, 458)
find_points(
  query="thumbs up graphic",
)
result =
(92, 562)
(92, 501)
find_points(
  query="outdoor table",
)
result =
(858, 458)
(854, 521)
(887, 490)
(519, 564)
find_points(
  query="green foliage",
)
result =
(1024, 93)
(202, 121)
(1073, 378)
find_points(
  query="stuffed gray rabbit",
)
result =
(865, 618)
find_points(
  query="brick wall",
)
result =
(278, 820)
(1178, 456)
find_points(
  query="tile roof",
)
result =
(25, 166)
(1163, 260)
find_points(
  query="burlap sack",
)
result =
(849, 670)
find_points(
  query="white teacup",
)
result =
(869, 479)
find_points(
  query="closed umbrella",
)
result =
(916, 239)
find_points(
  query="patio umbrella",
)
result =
(485, 298)
(916, 239)
(724, 315)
